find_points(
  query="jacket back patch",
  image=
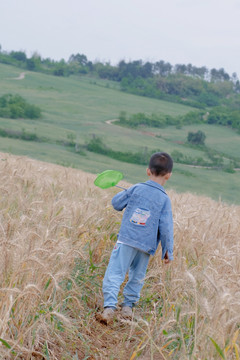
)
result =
(140, 216)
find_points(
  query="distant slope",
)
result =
(78, 108)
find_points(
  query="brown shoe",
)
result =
(126, 312)
(107, 316)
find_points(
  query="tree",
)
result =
(214, 75)
(146, 70)
(123, 117)
(197, 138)
(180, 69)
(234, 77)
(162, 68)
(31, 65)
(237, 86)
(34, 63)
(60, 68)
(19, 55)
(219, 75)
(201, 72)
(78, 58)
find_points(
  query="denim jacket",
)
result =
(147, 220)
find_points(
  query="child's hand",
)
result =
(166, 259)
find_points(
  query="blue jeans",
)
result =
(124, 259)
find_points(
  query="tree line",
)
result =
(215, 159)
(198, 87)
(79, 64)
(217, 115)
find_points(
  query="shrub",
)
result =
(197, 138)
(14, 107)
(15, 134)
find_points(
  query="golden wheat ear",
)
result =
(57, 231)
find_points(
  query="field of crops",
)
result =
(57, 231)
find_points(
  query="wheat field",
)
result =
(57, 231)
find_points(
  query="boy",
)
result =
(146, 222)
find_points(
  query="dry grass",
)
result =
(56, 234)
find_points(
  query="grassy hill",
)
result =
(57, 232)
(78, 107)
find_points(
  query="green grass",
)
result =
(77, 104)
(82, 105)
(219, 138)
(215, 184)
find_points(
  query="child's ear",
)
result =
(148, 172)
(168, 175)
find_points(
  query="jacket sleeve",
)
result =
(166, 230)
(120, 200)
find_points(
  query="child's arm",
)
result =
(166, 232)
(120, 200)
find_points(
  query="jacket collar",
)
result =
(156, 185)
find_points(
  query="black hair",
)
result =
(160, 164)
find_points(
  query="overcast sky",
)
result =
(200, 32)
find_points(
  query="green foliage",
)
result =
(181, 336)
(217, 347)
(179, 157)
(19, 55)
(123, 117)
(5, 343)
(96, 145)
(185, 84)
(61, 69)
(224, 116)
(23, 135)
(212, 158)
(196, 138)
(159, 120)
(193, 117)
(86, 276)
(153, 120)
(142, 157)
(215, 157)
(179, 88)
(68, 103)
(14, 107)
(229, 168)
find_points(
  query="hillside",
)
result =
(57, 232)
(77, 109)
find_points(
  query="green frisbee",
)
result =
(108, 178)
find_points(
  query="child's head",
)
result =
(160, 164)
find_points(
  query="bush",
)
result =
(15, 134)
(14, 107)
(197, 138)
(32, 112)
(152, 120)
(96, 145)
(160, 120)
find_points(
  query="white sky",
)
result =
(200, 32)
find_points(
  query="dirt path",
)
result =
(109, 122)
(20, 77)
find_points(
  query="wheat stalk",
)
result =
(56, 234)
